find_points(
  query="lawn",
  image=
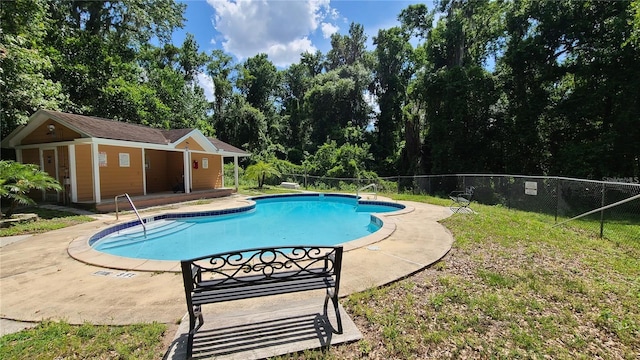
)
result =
(512, 286)
(47, 220)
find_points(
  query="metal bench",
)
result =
(260, 272)
(461, 199)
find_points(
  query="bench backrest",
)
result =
(261, 266)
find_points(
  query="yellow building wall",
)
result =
(31, 156)
(116, 179)
(193, 145)
(84, 174)
(42, 134)
(210, 178)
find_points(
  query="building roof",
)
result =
(96, 127)
(111, 129)
(226, 147)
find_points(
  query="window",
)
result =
(124, 159)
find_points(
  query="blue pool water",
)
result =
(275, 221)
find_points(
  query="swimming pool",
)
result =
(316, 219)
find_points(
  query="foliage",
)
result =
(393, 71)
(261, 171)
(219, 68)
(95, 58)
(24, 64)
(345, 161)
(18, 180)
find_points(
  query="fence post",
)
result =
(305, 180)
(510, 190)
(557, 199)
(398, 184)
(602, 212)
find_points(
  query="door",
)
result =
(50, 165)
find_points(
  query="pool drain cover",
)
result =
(102, 273)
(120, 275)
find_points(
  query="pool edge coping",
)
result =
(80, 250)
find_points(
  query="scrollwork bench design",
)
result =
(260, 272)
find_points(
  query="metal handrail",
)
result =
(599, 209)
(375, 191)
(144, 227)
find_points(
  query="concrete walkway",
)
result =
(40, 281)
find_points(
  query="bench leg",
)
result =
(196, 313)
(456, 206)
(334, 299)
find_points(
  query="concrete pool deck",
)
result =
(40, 281)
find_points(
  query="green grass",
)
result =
(48, 220)
(265, 190)
(513, 286)
(59, 340)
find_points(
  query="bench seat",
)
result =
(237, 291)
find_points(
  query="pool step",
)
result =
(156, 230)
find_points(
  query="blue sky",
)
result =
(283, 29)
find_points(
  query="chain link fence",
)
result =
(560, 198)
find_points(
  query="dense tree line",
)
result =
(487, 86)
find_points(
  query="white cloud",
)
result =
(281, 29)
(328, 30)
(206, 83)
(282, 54)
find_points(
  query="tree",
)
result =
(347, 49)
(454, 91)
(17, 180)
(261, 171)
(568, 83)
(220, 68)
(244, 125)
(258, 82)
(313, 62)
(190, 58)
(24, 84)
(101, 56)
(346, 161)
(393, 71)
(336, 100)
(132, 22)
(296, 80)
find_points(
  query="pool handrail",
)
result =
(144, 227)
(375, 191)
